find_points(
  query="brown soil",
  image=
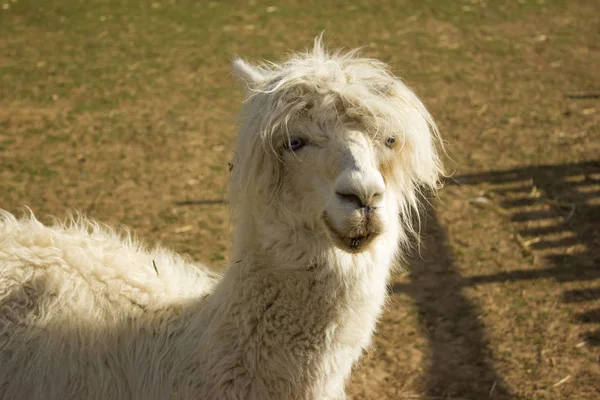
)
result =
(127, 112)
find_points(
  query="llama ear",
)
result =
(248, 73)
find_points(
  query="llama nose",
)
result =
(363, 191)
(358, 201)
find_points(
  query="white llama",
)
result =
(331, 156)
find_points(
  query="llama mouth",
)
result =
(354, 242)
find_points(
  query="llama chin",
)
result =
(331, 158)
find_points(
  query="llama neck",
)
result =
(298, 327)
(276, 240)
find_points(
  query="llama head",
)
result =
(333, 144)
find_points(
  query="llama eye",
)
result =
(295, 143)
(389, 142)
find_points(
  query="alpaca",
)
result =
(331, 158)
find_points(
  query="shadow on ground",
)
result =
(459, 362)
(555, 212)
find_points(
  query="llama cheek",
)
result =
(310, 189)
(300, 199)
(336, 219)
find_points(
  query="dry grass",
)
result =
(126, 111)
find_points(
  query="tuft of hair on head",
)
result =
(251, 75)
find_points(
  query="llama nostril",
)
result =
(367, 204)
(351, 198)
(375, 199)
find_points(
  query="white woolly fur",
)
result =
(86, 313)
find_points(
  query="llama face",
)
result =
(333, 175)
(333, 144)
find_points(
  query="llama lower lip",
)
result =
(353, 244)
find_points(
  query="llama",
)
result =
(331, 157)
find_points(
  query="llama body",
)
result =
(329, 162)
(87, 316)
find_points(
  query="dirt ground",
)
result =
(127, 112)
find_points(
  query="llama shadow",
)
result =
(458, 361)
(556, 212)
